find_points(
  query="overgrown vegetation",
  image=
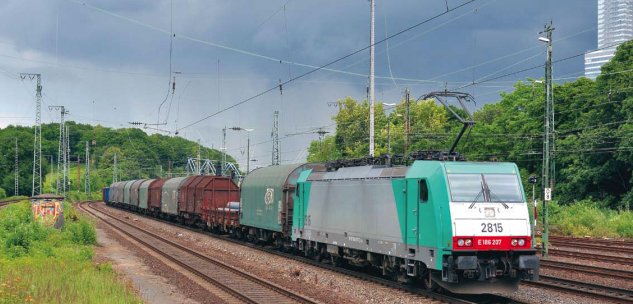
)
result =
(587, 218)
(44, 265)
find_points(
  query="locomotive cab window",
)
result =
(424, 191)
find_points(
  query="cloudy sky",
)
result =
(111, 61)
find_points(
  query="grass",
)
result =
(45, 265)
(588, 218)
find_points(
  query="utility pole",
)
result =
(66, 162)
(87, 179)
(371, 79)
(223, 150)
(407, 124)
(115, 174)
(36, 188)
(198, 160)
(548, 168)
(17, 170)
(78, 174)
(275, 135)
(248, 151)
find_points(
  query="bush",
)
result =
(589, 218)
(24, 235)
(81, 233)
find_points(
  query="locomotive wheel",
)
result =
(428, 282)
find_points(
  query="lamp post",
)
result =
(248, 145)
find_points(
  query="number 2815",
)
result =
(491, 227)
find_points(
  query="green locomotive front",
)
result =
(461, 225)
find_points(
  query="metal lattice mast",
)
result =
(61, 146)
(87, 179)
(223, 150)
(275, 136)
(407, 125)
(115, 174)
(371, 80)
(17, 170)
(548, 168)
(36, 188)
(66, 159)
(198, 161)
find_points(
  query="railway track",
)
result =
(4, 203)
(593, 256)
(243, 286)
(594, 290)
(613, 273)
(621, 243)
(614, 247)
(414, 291)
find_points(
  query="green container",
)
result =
(267, 197)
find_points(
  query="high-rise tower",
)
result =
(615, 26)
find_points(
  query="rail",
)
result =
(241, 285)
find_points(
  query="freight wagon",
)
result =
(463, 226)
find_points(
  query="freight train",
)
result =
(461, 226)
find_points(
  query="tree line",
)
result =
(139, 155)
(593, 132)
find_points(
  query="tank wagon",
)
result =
(463, 226)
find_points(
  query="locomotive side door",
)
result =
(412, 212)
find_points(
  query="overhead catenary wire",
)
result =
(245, 52)
(534, 67)
(325, 65)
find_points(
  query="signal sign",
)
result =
(548, 194)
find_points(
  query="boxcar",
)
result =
(118, 193)
(126, 192)
(215, 199)
(134, 193)
(169, 198)
(106, 194)
(267, 201)
(186, 197)
(143, 193)
(155, 191)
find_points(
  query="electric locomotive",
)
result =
(463, 226)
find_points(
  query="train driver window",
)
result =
(424, 191)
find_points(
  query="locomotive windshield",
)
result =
(503, 188)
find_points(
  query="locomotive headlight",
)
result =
(460, 242)
(521, 242)
(468, 242)
(514, 242)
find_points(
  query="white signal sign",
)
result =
(548, 194)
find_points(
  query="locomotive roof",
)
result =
(360, 172)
